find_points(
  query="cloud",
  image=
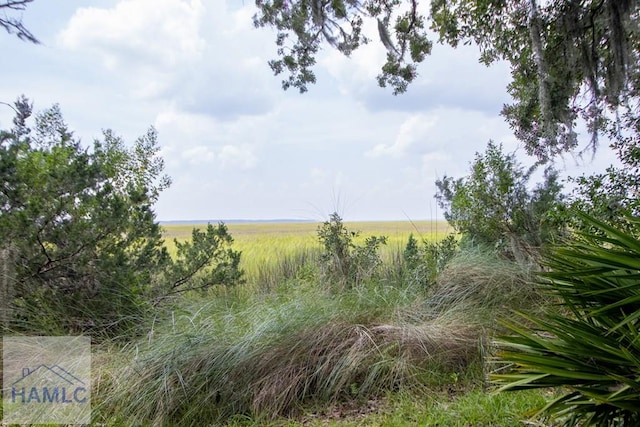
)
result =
(233, 78)
(200, 59)
(414, 129)
(155, 33)
(223, 92)
(198, 71)
(200, 140)
(226, 157)
(198, 155)
(448, 78)
(241, 157)
(356, 73)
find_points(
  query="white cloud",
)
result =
(143, 44)
(237, 156)
(199, 59)
(198, 155)
(415, 128)
(447, 78)
(198, 139)
(357, 72)
(159, 33)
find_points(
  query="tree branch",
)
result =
(12, 25)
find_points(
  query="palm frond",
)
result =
(591, 355)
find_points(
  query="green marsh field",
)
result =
(258, 233)
(265, 243)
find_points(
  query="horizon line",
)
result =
(243, 220)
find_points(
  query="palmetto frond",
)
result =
(589, 348)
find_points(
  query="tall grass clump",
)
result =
(299, 265)
(271, 355)
(480, 277)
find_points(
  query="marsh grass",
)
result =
(262, 356)
(299, 265)
(264, 245)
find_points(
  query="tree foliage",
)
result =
(80, 224)
(569, 59)
(205, 261)
(14, 25)
(613, 196)
(494, 206)
(310, 23)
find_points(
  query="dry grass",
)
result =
(351, 360)
(480, 278)
(275, 355)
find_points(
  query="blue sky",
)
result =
(235, 144)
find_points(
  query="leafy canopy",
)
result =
(569, 59)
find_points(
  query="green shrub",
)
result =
(78, 224)
(343, 261)
(494, 207)
(423, 264)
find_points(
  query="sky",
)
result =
(235, 144)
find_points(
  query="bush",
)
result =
(494, 207)
(78, 224)
(424, 263)
(343, 261)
